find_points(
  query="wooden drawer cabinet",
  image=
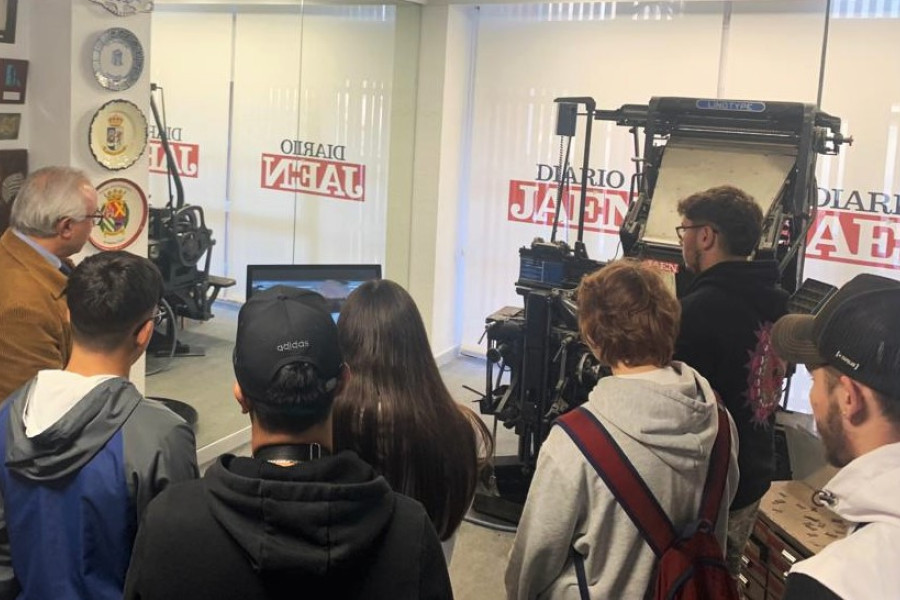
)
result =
(751, 588)
(775, 591)
(753, 563)
(788, 529)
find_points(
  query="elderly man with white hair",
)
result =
(50, 221)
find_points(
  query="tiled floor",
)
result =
(205, 383)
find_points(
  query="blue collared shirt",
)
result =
(49, 256)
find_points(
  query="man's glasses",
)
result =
(95, 216)
(157, 317)
(679, 231)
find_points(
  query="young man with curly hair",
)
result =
(662, 414)
(726, 319)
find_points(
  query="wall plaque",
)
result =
(13, 77)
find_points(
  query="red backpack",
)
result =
(691, 564)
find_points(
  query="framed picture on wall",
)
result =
(13, 169)
(9, 126)
(8, 21)
(13, 77)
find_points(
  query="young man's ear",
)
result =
(64, 228)
(241, 399)
(853, 400)
(144, 334)
(707, 237)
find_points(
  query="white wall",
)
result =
(63, 94)
(402, 143)
(440, 160)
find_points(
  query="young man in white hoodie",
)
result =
(82, 451)
(852, 349)
(662, 414)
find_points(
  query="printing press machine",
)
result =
(538, 367)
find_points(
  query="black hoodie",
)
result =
(727, 315)
(251, 530)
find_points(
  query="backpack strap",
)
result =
(626, 484)
(620, 476)
(578, 561)
(717, 473)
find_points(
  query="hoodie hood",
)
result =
(865, 491)
(319, 517)
(755, 282)
(671, 412)
(42, 446)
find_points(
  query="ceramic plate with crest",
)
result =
(118, 134)
(118, 59)
(124, 208)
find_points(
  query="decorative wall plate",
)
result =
(124, 209)
(118, 59)
(118, 134)
(124, 8)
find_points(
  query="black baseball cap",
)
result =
(279, 326)
(857, 332)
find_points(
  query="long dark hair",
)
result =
(396, 412)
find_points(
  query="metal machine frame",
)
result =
(180, 244)
(549, 368)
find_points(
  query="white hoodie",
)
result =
(53, 394)
(864, 565)
(666, 422)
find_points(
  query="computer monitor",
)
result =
(334, 282)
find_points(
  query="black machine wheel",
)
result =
(165, 337)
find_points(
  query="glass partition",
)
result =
(279, 119)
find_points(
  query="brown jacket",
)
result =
(34, 320)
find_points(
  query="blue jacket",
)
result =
(72, 491)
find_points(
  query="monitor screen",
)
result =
(334, 282)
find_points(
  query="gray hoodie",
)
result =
(666, 422)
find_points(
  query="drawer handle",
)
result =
(744, 581)
(788, 556)
(745, 560)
